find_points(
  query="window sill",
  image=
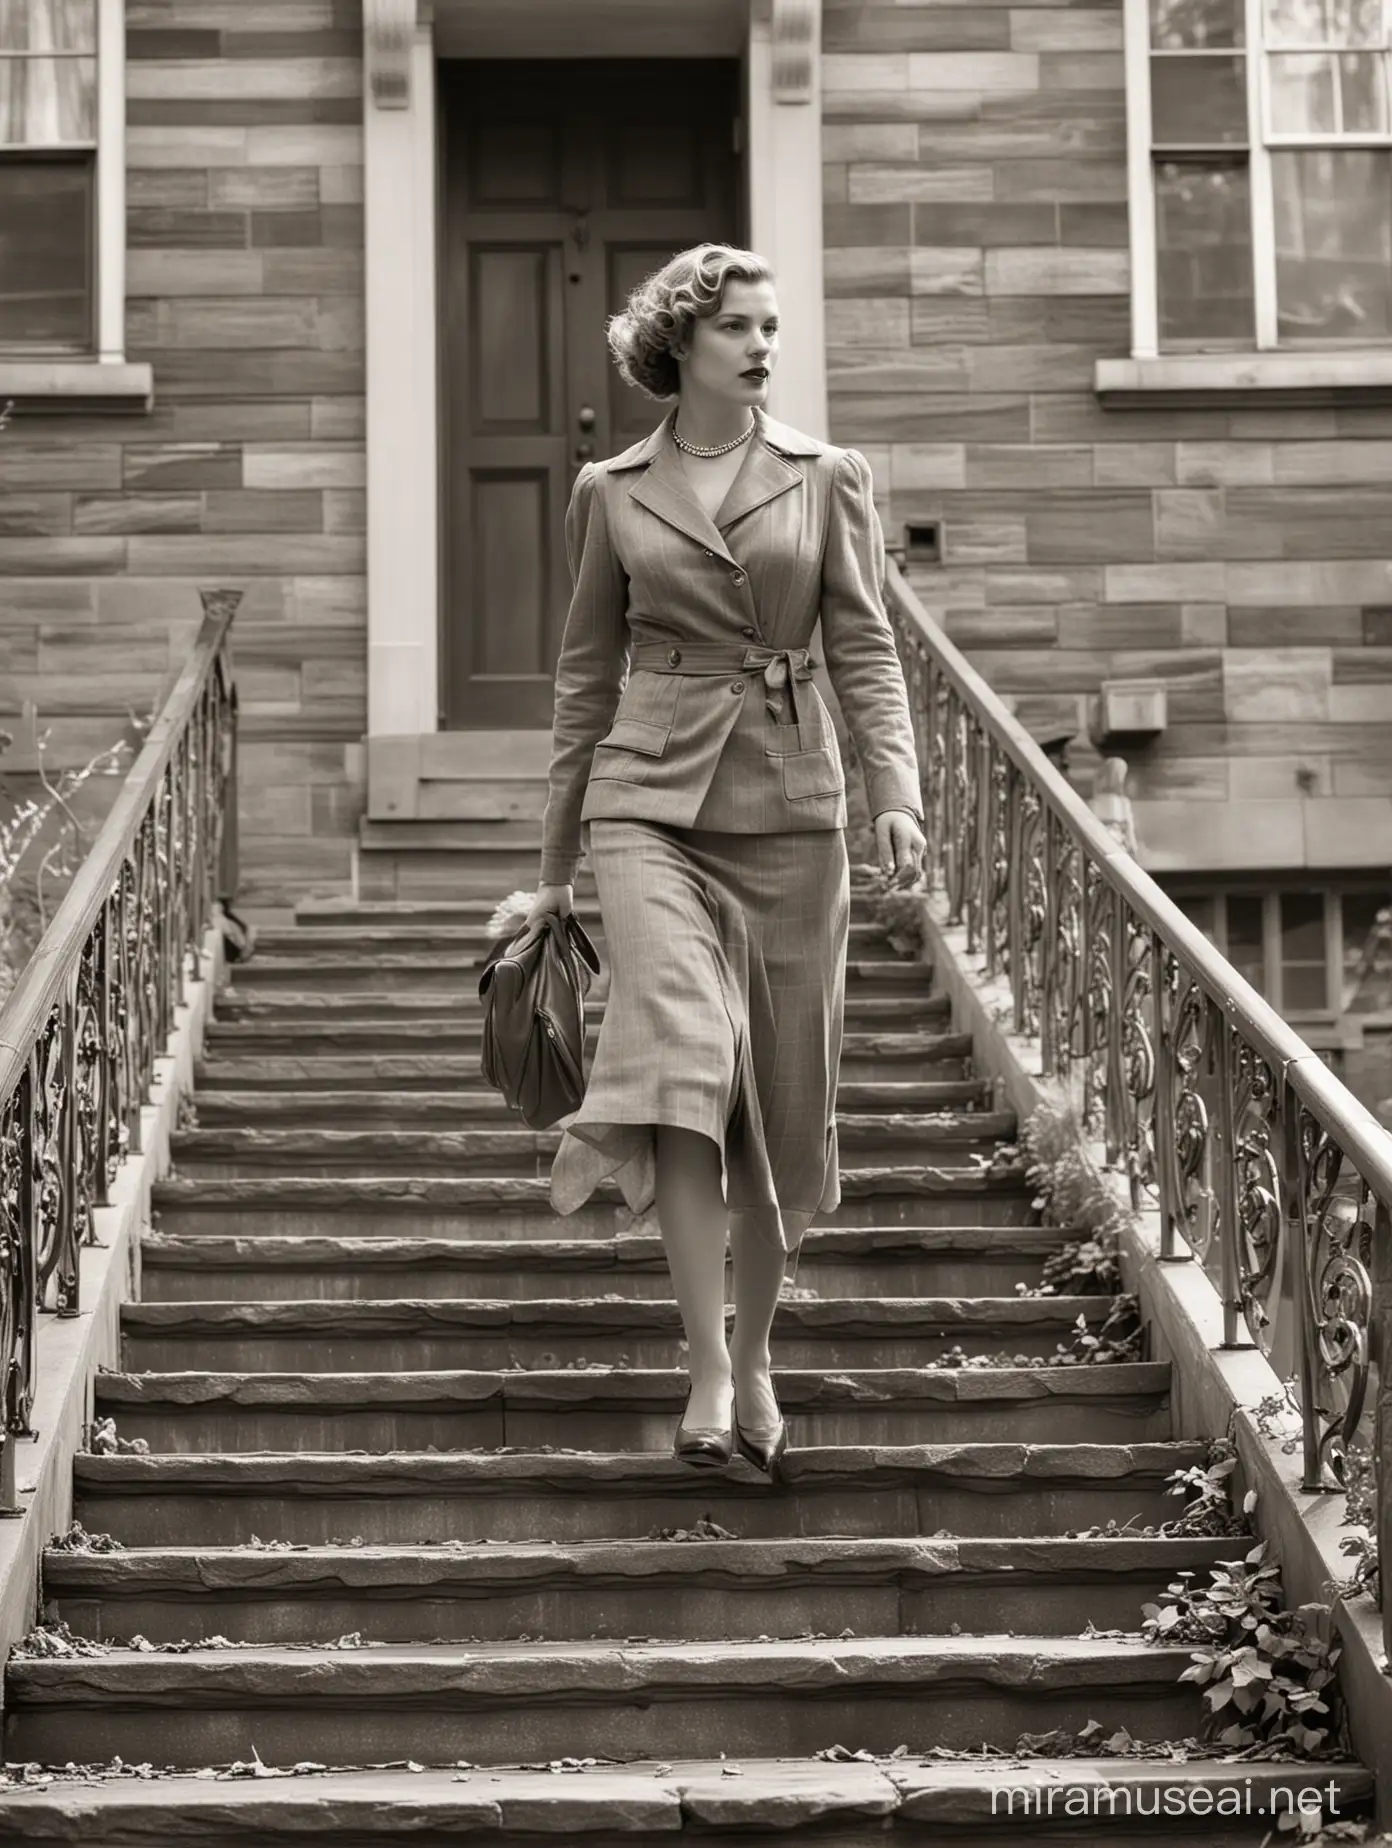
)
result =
(77, 385)
(1245, 378)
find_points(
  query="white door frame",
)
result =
(783, 164)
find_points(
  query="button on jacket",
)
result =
(683, 688)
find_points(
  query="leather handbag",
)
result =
(533, 991)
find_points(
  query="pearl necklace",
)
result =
(699, 449)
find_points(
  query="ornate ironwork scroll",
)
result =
(1261, 1165)
(95, 1006)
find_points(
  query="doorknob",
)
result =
(583, 451)
(586, 419)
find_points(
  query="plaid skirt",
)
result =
(727, 960)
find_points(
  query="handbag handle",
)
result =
(550, 921)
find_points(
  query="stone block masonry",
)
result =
(976, 267)
(244, 154)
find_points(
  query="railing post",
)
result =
(91, 1012)
(229, 853)
(1381, 1344)
(1223, 1140)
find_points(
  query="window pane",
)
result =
(1328, 93)
(1303, 94)
(1198, 101)
(1246, 951)
(1303, 981)
(44, 100)
(1204, 251)
(45, 255)
(1201, 912)
(1195, 25)
(1363, 93)
(1333, 211)
(48, 25)
(1367, 952)
(1324, 22)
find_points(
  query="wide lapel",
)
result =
(663, 489)
(765, 474)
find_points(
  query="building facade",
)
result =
(307, 297)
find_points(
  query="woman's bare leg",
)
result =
(758, 1268)
(691, 1213)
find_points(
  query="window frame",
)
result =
(1330, 371)
(32, 379)
(1186, 892)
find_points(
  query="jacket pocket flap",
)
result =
(812, 773)
(810, 736)
(637, 735)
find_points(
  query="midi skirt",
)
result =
(727, 961)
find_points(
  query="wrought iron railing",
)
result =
(1262, 1165)
(94, 1006)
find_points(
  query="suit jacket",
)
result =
(682, 690)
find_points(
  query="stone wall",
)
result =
(977, 266)
(245, 291)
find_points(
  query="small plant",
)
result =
(1118, 1337)
(1276, 1406)
(1083, 1267)
(1210, 1513)
(1267, 1674)
(32, 857)
(899, 914)
(1069, 1190)
(1360, 1510)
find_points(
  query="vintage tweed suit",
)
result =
(691, 742)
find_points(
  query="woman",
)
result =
(711, 784)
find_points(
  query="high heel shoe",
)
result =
(703, 1446)
(763, 1446)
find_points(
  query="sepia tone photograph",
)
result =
(695, 923)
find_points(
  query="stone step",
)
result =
(414, 1336)
(501, 1206)
(697, 1591)
(505, 1703)
(455, 972)
(964, 1489)
(356, 914)
(953, 1804)
(471, 909)
(449, 1012)
(885, 1052)
(235, 1063)
(462, 1109)
(426, 872)
(953, 1139)
(330, 942)
(627, 1409)
(835, 1261)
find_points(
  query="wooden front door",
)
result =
(564, 183)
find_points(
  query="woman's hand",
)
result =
(557, 898)
(901, 845)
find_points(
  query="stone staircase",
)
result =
(409, 1498)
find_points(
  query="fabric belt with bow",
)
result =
(782, 667)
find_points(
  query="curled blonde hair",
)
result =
(663, 308)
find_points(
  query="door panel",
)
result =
(563, 185)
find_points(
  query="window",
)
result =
(62, 202)
(1260, 174)
(1324, 954)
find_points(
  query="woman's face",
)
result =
(733, 353)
